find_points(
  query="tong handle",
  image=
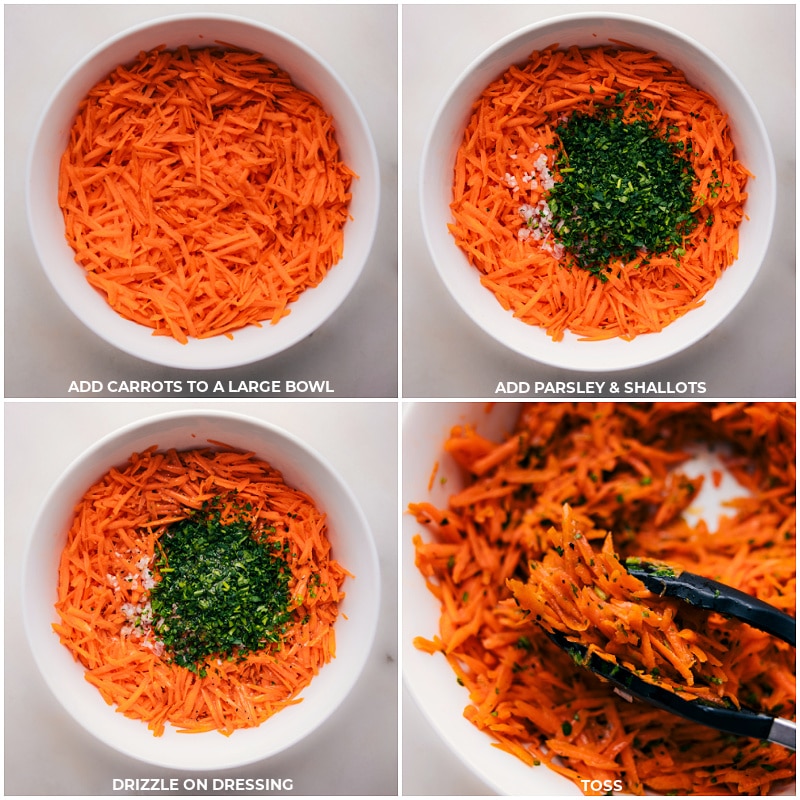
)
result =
(714, 596)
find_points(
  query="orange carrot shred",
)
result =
(505, 163)
(103, 585)
(202, 191)
(524, 547)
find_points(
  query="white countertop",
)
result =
(47, 347)
(752, 354)
(353, 753)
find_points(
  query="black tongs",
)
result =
(711, 595)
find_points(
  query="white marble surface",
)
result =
(47, 347)
(444, 355)
(752, 354)
(355, 750)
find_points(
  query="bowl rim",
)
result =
(137, 340)
(429, 680)
(613, 354)
(40, 641)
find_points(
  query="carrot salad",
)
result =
(113, 563)
(540, 528)
(511, 166)
(202, 191)
(587, 595)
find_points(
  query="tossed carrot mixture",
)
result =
(198, 590)
(568, 474)
(202, 191)
(597, 192)
(588, 596)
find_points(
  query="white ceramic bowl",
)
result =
(353, 547)
(308, 71)
(429, 678)
(703, 70)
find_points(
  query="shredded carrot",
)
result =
(588, 596)
(432, 477)
(506, 161)
(202, 191)
(594, 468)
(105, 571)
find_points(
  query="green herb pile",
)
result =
(626, 190)
(223, 590)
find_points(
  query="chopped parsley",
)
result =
(626, 190)
(223, 589)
